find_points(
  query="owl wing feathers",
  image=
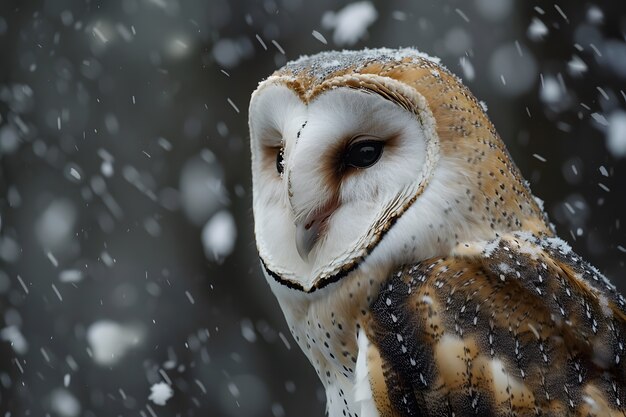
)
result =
(518, 326)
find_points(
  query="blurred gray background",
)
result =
(127, 257)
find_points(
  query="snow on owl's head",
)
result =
(375, 156)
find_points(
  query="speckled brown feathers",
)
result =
(518, 326)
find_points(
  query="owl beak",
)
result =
(309, 231)
(306, 236)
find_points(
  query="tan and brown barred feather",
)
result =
(519, 326)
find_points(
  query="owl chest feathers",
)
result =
(327, 325)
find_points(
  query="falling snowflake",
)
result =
(160, 393)
(350, 23)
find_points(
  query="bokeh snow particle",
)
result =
(614, 52)
(576, 66)
(13, 335)
(550, 92)
(71, 276)
(616, 133)
(201, 189)
(160, 393)
(9, 139)
(350, 23)
(494, 10)
(102, 32)
(55, 227)
(457, 41)
(251, 396)
(537, 30)
(595, 15)
(178, 46)
(110, 341)
(228, 53)
(64, 404)
(512, 72)
(5, 282)
(219, 235)
(225, 53)
(247, 330)
(9, 249)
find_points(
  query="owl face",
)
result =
(333, 170)
(366, 159)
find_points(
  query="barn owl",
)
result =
(414, 267)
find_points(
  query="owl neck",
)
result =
(325, 325)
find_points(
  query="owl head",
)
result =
(374, 157)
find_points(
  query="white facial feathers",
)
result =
(344, 208)
(337, 118)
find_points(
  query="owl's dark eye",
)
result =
(363, 154)
(279, 162)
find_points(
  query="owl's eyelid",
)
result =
(365, 137)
